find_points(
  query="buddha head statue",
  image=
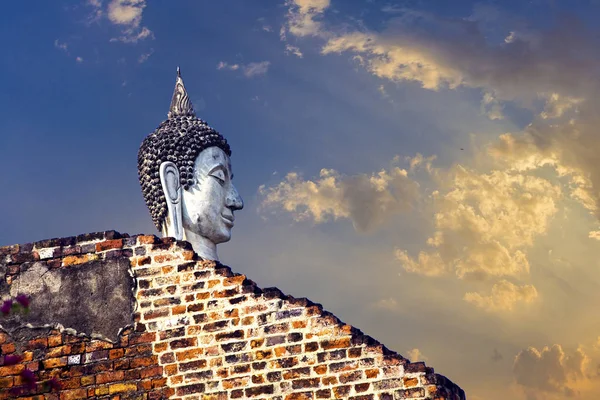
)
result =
(184, 169)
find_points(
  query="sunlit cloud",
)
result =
(126, 14)
(491, 107)
(483, 223)
(367, 200)
(550, 372)
(388, 304)
(415, 355)
(303, 18)
(557, 105)
(504, 297)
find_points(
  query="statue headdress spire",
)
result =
(180, 104)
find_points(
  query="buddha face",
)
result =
(208, 205)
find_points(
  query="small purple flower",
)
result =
(54, 384)
(29, 378)
(6, 306)
(12, 359)
(16, 391)
(23, 300)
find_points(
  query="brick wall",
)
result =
(204, 332)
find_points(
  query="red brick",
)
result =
(110, 376)
(335, 344)
(142, 362)
(7, 348)
(109, 244)
(116, 353)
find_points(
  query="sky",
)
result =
(426, 170)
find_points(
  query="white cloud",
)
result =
(256, 68)
(249, 70)
(145, 56)
(289, 49)
(504, 297)
(61, 46)
(126, 14)
(367, 200)
(303, 16)
(79, 59)
(224, 65)
(133, 36)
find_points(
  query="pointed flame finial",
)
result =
(180, 104)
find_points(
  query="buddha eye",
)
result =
(219, 175)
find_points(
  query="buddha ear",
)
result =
(169, 179)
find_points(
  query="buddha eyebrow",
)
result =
(216, 167)
(221, 167)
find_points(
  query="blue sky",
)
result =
(426, 170)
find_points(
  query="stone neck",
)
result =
(202, 246)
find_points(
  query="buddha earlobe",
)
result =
(169, 179)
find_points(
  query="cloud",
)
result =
(303, 16)
(126, 14)
(505, 295)
(224, 65)
(249, 70)
(557, 65)
(367, 200)
(483, 222)
(441, 52)
(594, 235)
(256, 68)
(491, 107)
(569, 148)
(145, 56)
(395, 62)
(415, 355)
(550, 370)
(61, 46)
(79, 59)
(264, 26)
(133, 35)
(289, 49)
(389, 304)
(557, 105)
(97, 11)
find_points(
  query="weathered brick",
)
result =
(258, 390)
(106, 377)
(75, 394)
(122, 387)
(182, 343)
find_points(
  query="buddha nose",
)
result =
(234, 200)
